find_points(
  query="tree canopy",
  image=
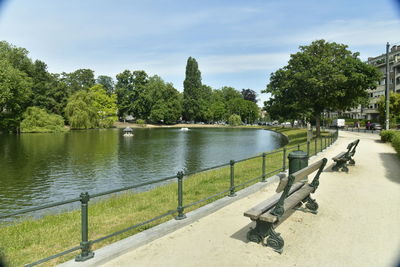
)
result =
(193, 96)
(91, 109)
(394, 109)
(30, 95)
(320, 77)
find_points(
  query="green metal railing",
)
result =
(84, 198)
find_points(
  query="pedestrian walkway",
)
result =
(358, 223)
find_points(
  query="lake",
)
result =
(36, 169)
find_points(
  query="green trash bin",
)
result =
(297, 160)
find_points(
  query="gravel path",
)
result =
(358, 223)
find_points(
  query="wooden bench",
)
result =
(342, 158)
(291, 194)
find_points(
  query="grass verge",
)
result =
(29, 239)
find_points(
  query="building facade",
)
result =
(371, 112)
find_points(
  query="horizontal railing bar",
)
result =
(134, 226)
(53, 256)
(249, 181)
(206, 169)
(205, 199)
(277, 170)
(131, 187)
(240, 160)
(288, 148)
(51, 205)
(273, 152)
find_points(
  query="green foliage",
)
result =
(247, 110)
(392, 136)
(234, 120)
(91, 109)
(37, 120)
(81, 112)
(107, 82)
(322, 76)
(193, 92)
(131, 96)
(387, 135)
(105, 106)
(140, 122)
(394, 109)
(81, 79)
(15, 85)
(396, 142)
(249, 95)
(15, 92)
(165, 101)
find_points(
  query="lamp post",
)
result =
(387, 95)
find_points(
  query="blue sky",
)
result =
(236, 43)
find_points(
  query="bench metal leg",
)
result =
(274, 240)
(312, 205)
(352, 162)
(258, 233)
(263, 230)
(340, 165)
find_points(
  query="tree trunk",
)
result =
(318, 124)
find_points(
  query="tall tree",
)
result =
(166, 102)
(81, 79)
(15, 92)
(249, 95)
(107, 82)
(322, 76)
(192, 91)
(131, 96)
(394, 108)
(81, 112)
(42, 86)
(92, 108)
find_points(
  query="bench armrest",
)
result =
(288, 182)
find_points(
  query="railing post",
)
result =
(180, 208)
(86, 253)
(321, 143)
(232, 187)
(298, 147)
(284, 159)
(315, 142)
(308, 148)
(325, 141)
(263, 167)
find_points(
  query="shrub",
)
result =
(234, 120)
(396, 142)
(141, 122)
(37, 120)
(387, 135)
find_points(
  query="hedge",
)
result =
(392, 136)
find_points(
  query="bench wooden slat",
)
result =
(290, 203)
(299, 175)
(255, 212)
(337, 157)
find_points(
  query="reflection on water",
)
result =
(39, 168)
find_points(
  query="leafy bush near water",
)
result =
(37, 120)
(234, 120)
(141, 122)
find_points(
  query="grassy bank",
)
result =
(30, 240)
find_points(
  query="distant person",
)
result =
(368, 125)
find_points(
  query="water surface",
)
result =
(36, 169)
